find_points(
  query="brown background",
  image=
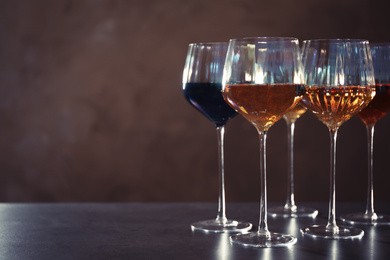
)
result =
(91, 106)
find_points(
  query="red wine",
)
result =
(207, 98)
(262, 104)
(378, 107)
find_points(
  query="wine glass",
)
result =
(290, 209)
(202, 84)
(262, 80)
(339, 82)
(377, 108)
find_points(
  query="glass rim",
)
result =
(269, 39)
(374, 44)
(336, 40)
(207, 43)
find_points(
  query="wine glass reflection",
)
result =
(223, 251)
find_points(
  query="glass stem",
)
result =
(290, 202)
(370, 189)
(332, 226)
(221, 217)
(263, 226)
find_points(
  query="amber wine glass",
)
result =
(377, 108)
(339, 82)
(263, 80)
(290, 209)
(202, 83)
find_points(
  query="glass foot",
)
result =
(341, 233)
(361, 218)
(217, 226)
(292, 212)
(255, 239)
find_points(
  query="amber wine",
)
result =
(335, 105)
(295, 113)
(262, 104)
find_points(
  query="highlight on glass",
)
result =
(202, 84)
(339, 82)
(262, 80)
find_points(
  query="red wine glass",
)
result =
(375, 110)
(202, 84)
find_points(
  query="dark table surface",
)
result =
(162, 231)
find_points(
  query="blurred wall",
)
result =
(91, 106)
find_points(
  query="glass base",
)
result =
(255, 239)
(292, 212)
(216, 226)
(341, 233)
(364, 219)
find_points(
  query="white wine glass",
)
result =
(202, 84)
(339, 82)
(377, 108)
(290, 209)
(262, 81)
